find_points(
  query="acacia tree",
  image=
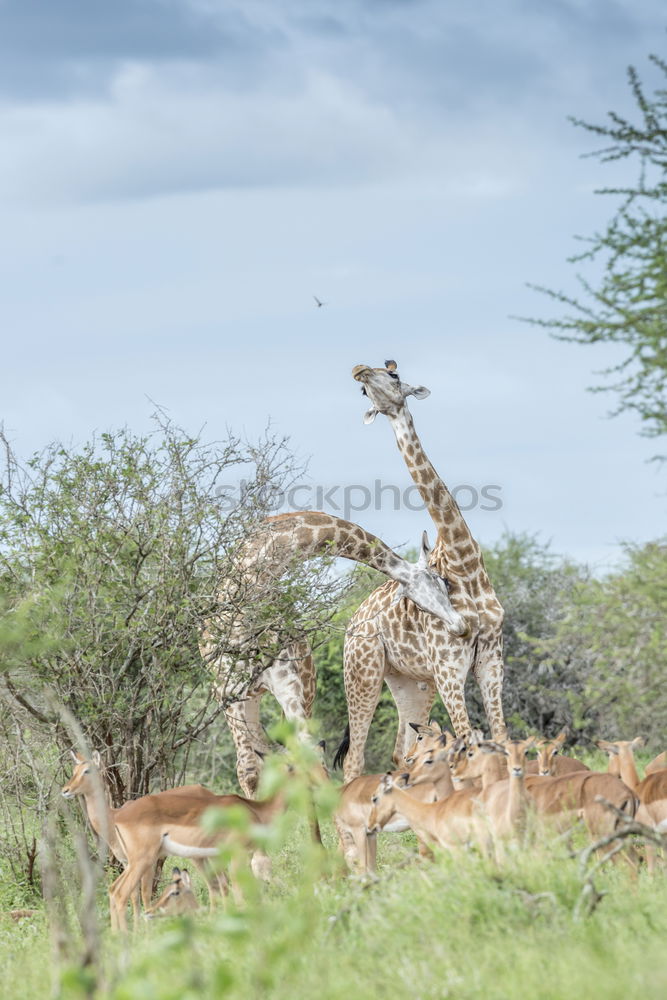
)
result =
(626, 303)
(111, 559)
(612, 638)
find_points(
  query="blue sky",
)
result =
(179, 177)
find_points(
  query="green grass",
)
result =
(459, 928)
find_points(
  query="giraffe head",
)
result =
(385, 390)
(430, 592)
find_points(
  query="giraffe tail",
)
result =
(341, 752)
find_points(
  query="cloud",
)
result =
(147, 97)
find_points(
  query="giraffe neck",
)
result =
(310, 533)
(456, 547)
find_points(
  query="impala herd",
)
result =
(453, 793)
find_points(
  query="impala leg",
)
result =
(345, 842)
(216, 882)
(371, 852)
(147, 888)
(123, 887)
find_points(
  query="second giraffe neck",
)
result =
(457, 547)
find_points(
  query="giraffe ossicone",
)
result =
(385, 390)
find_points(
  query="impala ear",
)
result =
(76, 757)
(175, 872)
(607, 747)
(96, 759)
(435, 726)
(370, 415)
(562, 736)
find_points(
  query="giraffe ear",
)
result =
(370, 415)
(424, 552)
(418, 391)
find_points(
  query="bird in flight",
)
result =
(318, 302)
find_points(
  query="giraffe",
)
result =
(393, 642)
(264, 557)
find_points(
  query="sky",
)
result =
(180, 178)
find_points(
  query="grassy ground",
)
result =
(460, 927)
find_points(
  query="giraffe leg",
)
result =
(450, 677)
(248, 734)
(363, 670)
(414, 701)
(290, 679)
(488, 670)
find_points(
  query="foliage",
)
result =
(581, 652)
(535, 588)
(459, 927)
(112, 557)
(613, 638)
(625, 303)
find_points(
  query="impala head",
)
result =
(385, 390)
(546, 751)
(620, 751)
(430, 764)
(429, 591)
(177, 898)
(515, 751)
(467, 761)
(465, 757)
(383, 805)
(427, 737)
(82, 781)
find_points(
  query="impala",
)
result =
(563, 799)
(169, 823)
(550, 761)
(427, 737)
(657, 764)
(651, 792)
(426, 819)
(177, 898)
(86, 781)
(354, 809)
(461, 817)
